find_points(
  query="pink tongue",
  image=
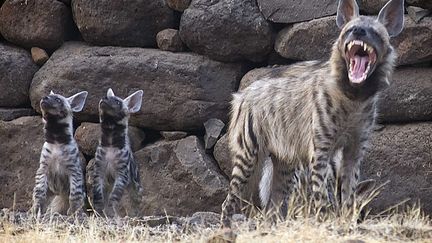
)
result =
(359, 67)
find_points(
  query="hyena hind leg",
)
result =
(59, 204)
(244, 165)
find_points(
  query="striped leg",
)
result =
(320, 171)
(76, 192)
(40, 189)
(120, 184)
(98, 186)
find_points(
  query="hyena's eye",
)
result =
(118, 102)
(58, 100)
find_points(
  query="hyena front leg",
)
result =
(320, 169)
(98, 185)
(40, 189)
(76, 192)
(120, 183)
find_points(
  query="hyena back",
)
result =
(315, 115)
(60, 172)
(115, 169)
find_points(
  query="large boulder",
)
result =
(291, 11)
(20, 159)
(226, 30)
(409, 98)
(17, 69)
(222, 155)
(88, 134)
(401, 154)
(421, 3)
(120, 23)
(9, 114)
(371, 7)
(412, 45)
(40, 23)
(181, 90)
(179, 178)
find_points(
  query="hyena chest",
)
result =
(59, 162)
(114, 160)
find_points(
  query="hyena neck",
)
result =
(114, 132)
(58, 130)
(375, 83)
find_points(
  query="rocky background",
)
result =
(189, 57)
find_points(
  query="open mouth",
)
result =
(361, 58)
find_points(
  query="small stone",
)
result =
(417, 13)
(222, 155)
(169, 40)
(40, 56)
(206, 219)
(213, 128)
(178, 5)
(173, 135)
(14, 113)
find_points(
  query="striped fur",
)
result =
(60, 173)
(115, 169)
(311, 115)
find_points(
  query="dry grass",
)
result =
(302, 225)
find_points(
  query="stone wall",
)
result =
(189, 56)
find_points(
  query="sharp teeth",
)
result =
(364, 47)
(350, 45)
(370, 49)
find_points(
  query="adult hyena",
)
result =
(318, 114)
(60, 172)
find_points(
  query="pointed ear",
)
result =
(347, 10)
(51, 92)
(133, 101)
(392, 17)
(77, 101)
(110, 93)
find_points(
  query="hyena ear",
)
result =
(51, 92)
(392, 17)
(133, 101)
(347, 10)
(77, 101)
(110, 93)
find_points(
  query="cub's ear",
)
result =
(51, 92)
(133, 101)
(347, 10)
(77, 101)
(392, 17)
(110, 93)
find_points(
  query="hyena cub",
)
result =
(315, 114)
(60, 172)
(115, 169)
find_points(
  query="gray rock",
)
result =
(420, 3)
(173, 135)
(179, 178)
(291, 11)
(116, 23)
(409, 98)
(417, 13)
(401, 154)
(169, 40)
(222, 155)
(181, 90)
(226, 30)
(39, 55)
(213, 128)
(20, 160)
(88, 134)
(17, 69)
(9, 114)
(41, 23)
(256, 74)
(412, 45)
(178, 5)
(206, 219)
(310, 40)
(371, 7)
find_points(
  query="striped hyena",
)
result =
(60, 172)
(315, 114)
(115, 169)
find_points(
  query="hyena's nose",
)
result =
(45, 98)
(359, 31)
